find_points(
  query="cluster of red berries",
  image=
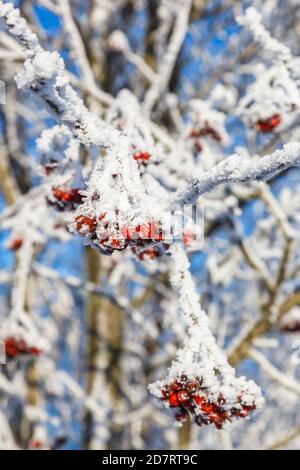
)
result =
(267, 125)
(142, 238)
(65, 199)
(205, 131)
(190, 398)
(18, 347)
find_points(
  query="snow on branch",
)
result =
(252, 20)
(237, 168)
(164, 73)
(273, 98)
(44, 74)
(200, 383)
(283, 379)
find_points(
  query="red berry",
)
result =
(36, 444)
(207, 408)
(173, 400)
(194, 134)
(65, 198)
(34, 351)
(267, 125)
(11, 348)
(218, 419)
(60, 194)
(82, 220)
(176, 387)
(115, 244)
(15, 244)
(198, 400)
(141, 156)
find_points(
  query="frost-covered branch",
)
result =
(44, 74)
(252, 20)
(238, 168)
(200, 382)
(283, 379)
(165, 70)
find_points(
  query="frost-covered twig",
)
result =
(283, 379)
(274, 96)
(18, 297)
(237, 168)
(74, 281)
(118, 41)
(284, 440)
(252, 20)
(7, 441)
(44, 75)
(7, 179)
(76, 43)
(276, 210)
(76, 390)
(164, 72)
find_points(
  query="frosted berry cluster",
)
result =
(190, 398)
(15, 347)
(109, 233)
(200, 383)
(205, 125)
(65, 199)
(198, 133)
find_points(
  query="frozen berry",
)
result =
(207, 407)
(36, 444)
(141, 156)
(267, 125)
(65, 198)
(84, 221)
(16, 347)
(15, 244)
(173, 400)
